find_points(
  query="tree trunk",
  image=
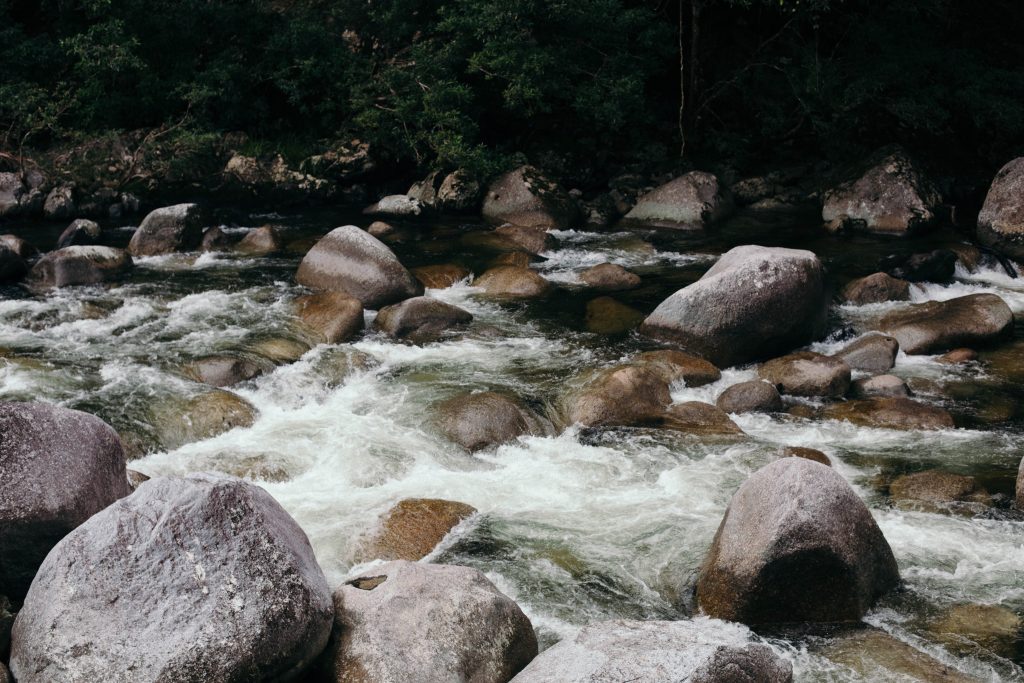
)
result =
(682, 85)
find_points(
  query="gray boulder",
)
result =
(892, 197)
(80, 265)
(201, 578)
(806, 373)
(396, 206)
(483, 419)
(60, 203)
(936, 326)
(59, 467)
(407, 621)
(1001, 221)
(689, 202)
(352, 261)
(880, 386)
(527, 198)
(456, 191)
(872, 353)
(796, 545)
(698, 651)
(755, 396)
(420, 319)
(755, 302)
(167, 230)
(80, 232)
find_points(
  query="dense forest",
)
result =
(578, 86)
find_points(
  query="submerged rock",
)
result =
(420, 319)
(696, 651)
(875, 655)
(627, 395)
(609, 277)
(531, 240)
(696, 417)
(526, 197)
(605, 315)
(350, 260)
(806, 373)
(512, 282)
(807, 453)
(59, 467)
(178, 421)
(678, 366)
(755, 302)
(1001, 221)
(755, 396)
(167, 230)
(223, 371)
(892, 197)
(414, 527)
(204, 577)
(890, 413)
(957, 356)
(935, 326)
(880, 385)
(72, 266)
(796, 545)
(440, 276)
(993, 627)
(872, 353)
(937, 486)
(81, 232)
(691, 201)
(406, 621)
(332, 317)
(484, 419)
(876, 289)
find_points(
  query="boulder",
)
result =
(958, 356)
(332, 317)
(396, 206)
(806, 373)
(73, 266)
(350, 260)
(892, 197)
(937, 486)
(532, 240)
(755, 396)
(936, 326)
(874, 655)
(880, 385)
(12, 266)
(81, 232)
(223, 371)
(60, 203)
(993, 627)
(180, 421)
(872, 353)
(167, 230)
(875, 289)
(420, 319)
(484, 419)
(513, 258)
(605, 315)
(755, 302)
(812, 454)
(796, 545)
(204, 577)
(16, 196)
(512, 282)
(691, 201)
(215, 239)
(413, 528)
(696, 417)
(19, 246)
(528, 198)
(380, 229)
(440, 276)
(890, 413)
(260, 241)
(280, 350)
(407, 621)
(59, 468)
(608, 277)
(459, 192)
(678, 366)
(938, 265)
(1001, 221)
(697, 651)
(626, 395)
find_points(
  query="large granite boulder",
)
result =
(698, 651)
(59, 467)
(201, 578)
(420, 319)
(1001, 221)
(414, 527)
(483, 419)
(892, 197)
(82, 265)
(352, 261)
(796, 545)
(407, 621)
(688, 202)
(755, 302)
(167, 230)
(527, 198)
(973, 320)
(806, 373)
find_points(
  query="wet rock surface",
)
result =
(689, 202)
(484, 419)
(936, 326)
(750, 397)
(414, 527)
(806, 373)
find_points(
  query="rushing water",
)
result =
(578, 527)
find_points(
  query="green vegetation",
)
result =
(579, 85)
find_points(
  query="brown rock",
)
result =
(440, 276)
(609, 277)
(679, 365)
(420, 319)
(620, 396)
(876, 289)
(223, 371)
(530, 240)
(697, 417)
(512, 282)
(807, 453)
(755, 396)
(512, 258)
(215, 239)
(890, 413)
(875, 655)
(936, 326)
(806, 373)
(606, 315)
(280, 350)
(261, 241)
(414, 527)
(957, 356)
(483, 419)
(380, 229)
(874, 353)
(936, 486)
(993, 627)
(333, 317)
